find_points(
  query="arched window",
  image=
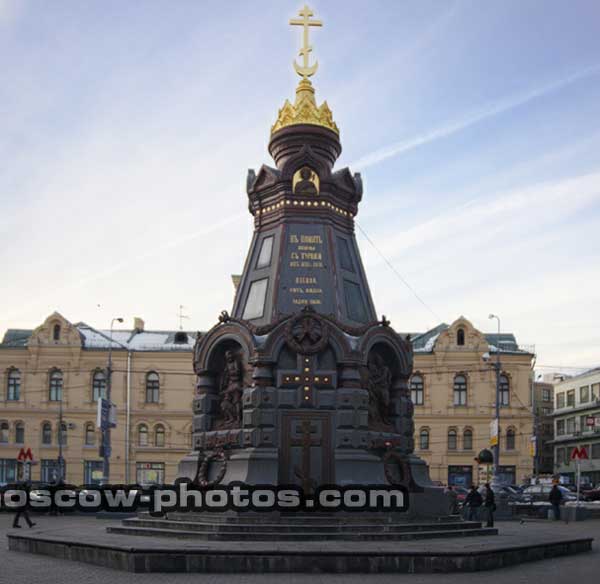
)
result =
(98, 385)
(20, 433)
(452, 439)
(152, 387)
(56, 385)
(159, 436)
(416, 389)
(142, 435)
(504, 388)
(56, 332)
(468, 439)
(90, 434)
(424, 439)
(460, 390)
(62, 434)
(13, 385)
(4, 432)
(47, 434)
(460, 337)
(510, 439)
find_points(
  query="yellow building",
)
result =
(152, 387)
(453, 388)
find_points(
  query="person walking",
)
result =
(555, 497)
(452, 499)
(490, 504)
(473, 502)
(22, 511)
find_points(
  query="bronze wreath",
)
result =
(201, 478)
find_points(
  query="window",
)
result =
(345, 257)
(560, 400)
(546, 395)
(595, 450)
(584, 394)
(424, 439)
(452, 441)
(142, 435)
(504, 389)
(583, 427)
(98, 385)
(46, 434)
(560, 456)
(416, 390)
(152, 388)
(460, 337)
(150, 473)
(255, 303)
(56, 332)
(560, 427)
(570, 425)
(354, 302)
(460, 390)
(56, 385)
(4, 432)
(546, 411)
(93, 472)
(595, 391)
(13, 385)
(51, 471)
(266, 250)
(159, 436)
(180, 338)
(62, 434)
(510, 439)
(571, 398)
(90, 434)
(8, 470)
(20, 433)
(468, 439)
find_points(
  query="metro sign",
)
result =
(25, 455)
(579, 453)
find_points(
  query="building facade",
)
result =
(57, 372)
(453, 389)
(543, 407)
(577, 424)
(52, 379)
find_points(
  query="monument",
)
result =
(302, 383)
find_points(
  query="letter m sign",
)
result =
(579, 453)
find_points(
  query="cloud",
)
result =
(488, 111)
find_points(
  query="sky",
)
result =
(127, 128)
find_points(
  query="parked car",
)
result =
(510, 494)
(540, 493)
(461, 494)
(592, 494)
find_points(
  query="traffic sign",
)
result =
(579, 453)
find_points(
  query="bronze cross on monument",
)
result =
(305, 70)
(307, 378)
(306, 442)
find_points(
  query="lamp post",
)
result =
(106, 448)
(496, 447)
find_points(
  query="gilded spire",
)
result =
(305, 109)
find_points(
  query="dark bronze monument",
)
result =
(302, 383)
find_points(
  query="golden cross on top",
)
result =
(305, 70)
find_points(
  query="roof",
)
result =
(98, 339)
(506, 342)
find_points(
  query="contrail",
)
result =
(473, 118)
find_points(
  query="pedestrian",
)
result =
(555, 497)
(490, 504)
(473, 502)
(452, 499)
(22, 511)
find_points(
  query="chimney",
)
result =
(235, 278)
(138, 324)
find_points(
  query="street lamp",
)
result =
(496, 447)
(106, 448)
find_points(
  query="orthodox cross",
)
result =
(305, 70)
(306, 442)
(306, 379)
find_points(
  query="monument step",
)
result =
(351, 535)
(287, 527)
